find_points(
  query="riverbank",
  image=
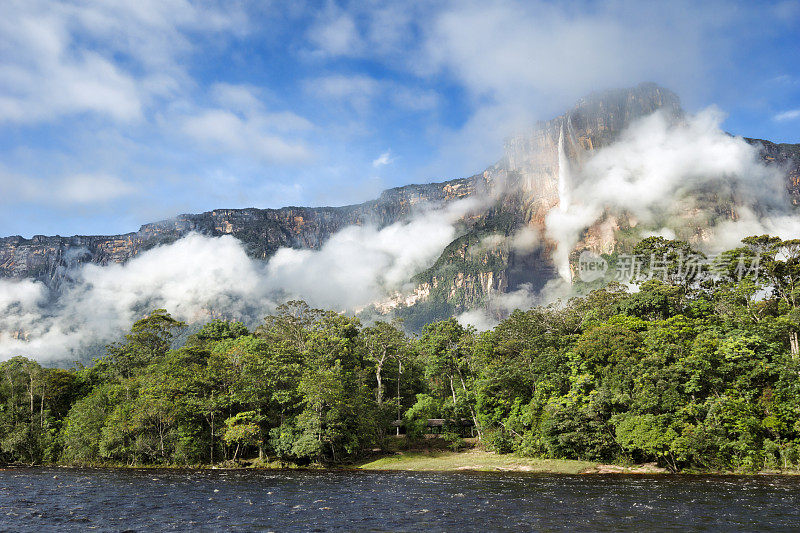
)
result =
(430, 456)
(483, 461)
(473, 459)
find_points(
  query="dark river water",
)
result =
(45, 499)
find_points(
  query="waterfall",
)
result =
(563, 197)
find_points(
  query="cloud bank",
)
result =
(660, 172)
(656, 174)
(670, 178)
(200, 275)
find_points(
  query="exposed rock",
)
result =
(262, 230)
(524, 186)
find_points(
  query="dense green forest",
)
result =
(693, 371)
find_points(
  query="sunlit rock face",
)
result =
(535, 175)
(262, 230)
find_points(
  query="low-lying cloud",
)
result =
(199, 277)
(661, 173)
(657, 171)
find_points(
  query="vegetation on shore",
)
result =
(689, 372)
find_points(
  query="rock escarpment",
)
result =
(487, 259)
(263, 231)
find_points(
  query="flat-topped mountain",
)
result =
(530, 179)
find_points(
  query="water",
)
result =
(563, 194)
(45, 499)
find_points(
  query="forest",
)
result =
(697, 372)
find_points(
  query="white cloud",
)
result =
(525, 240)
(239, 98)
(253, 136)
(498, 307)
(523, 61)
(106, 58)
(78, 189)
(361, 264)
(384, 159)
(556, 52)
(791, 114)
(191, 277)
(361, 92)
(199, 275)
(88, 188)
(414, 99)
(336, 34)
(357, 91)
(656, 170)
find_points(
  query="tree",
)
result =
(384, 342)
(446, 349)
(148, 340)
(242, 430)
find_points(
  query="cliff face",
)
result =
(262, 230)
(537, 170)
(539, 161)
(533, 176)
(787, 157)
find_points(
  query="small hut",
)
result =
(435, 426)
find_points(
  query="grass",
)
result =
(475, 460)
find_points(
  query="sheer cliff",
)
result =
(498, 250)
(263, 231)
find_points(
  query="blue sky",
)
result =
(117, 114)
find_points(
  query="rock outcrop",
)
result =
(485, 260)
(263, 231)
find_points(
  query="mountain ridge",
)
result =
(518, 191)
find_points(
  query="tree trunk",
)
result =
(471, 409)
(30, 390)
(793, 343)
(399, 372)
(379, 392)
(161, 437)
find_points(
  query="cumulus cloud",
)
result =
(336, 35)
(361, 92)
(525, 240)
(107, 58)
(791, 114)
(200, 275)
(498, 307)
(241, 98)
(362, 29)
(360, 264)
(357, 91)
(547, 48)
(729, 233)
(191, 278)
(241, 125)
(551, 54)
(252, 136)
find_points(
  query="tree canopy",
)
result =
(699, 374)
